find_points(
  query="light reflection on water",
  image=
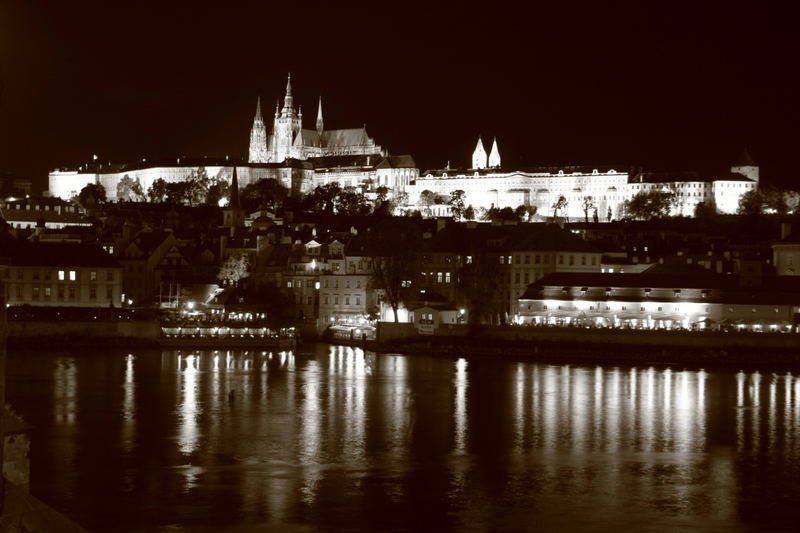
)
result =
(339, 439)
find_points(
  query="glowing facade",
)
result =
(289, 140)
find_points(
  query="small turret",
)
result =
(494, 155)
(479, 155)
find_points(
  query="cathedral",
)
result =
(289, 140)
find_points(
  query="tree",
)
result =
(456, 203)
(649, 204)
(587, 204)
(267, 193)
(392, 245)
(178, 192)
(322, 199)
(469, 213)
(234, 269)
(157, 191)
(426, 200)
(559, 205)
(217, 191)
(384, 206)
(351, 201)
(130, 190)
(480, 285)
(751, 203)
(91, 195)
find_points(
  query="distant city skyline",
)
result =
(662, 89)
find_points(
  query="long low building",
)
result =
(587, 191)
(298, 176)
(661, 301)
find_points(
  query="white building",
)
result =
(586, 190)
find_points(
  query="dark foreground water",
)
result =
(333, 439)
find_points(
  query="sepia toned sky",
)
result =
(680, 87)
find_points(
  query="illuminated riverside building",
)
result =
(661, 301)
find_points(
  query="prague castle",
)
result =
(302, 159)
(299, 158)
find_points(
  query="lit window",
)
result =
(93, 276)
(60, 275)
(447, 277)
(72, 275)
(47, 292)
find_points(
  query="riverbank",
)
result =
(581, 351)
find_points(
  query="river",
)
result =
(335, 439)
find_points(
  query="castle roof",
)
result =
(744, 160)
(345, 137)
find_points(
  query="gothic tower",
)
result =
(258, 138)
(479, 155)
(233, 214)
(746, 166)
(287, 125)
(494, 155)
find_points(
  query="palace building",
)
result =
(587, 191)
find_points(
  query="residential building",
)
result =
(60, 274)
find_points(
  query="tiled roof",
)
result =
(345, 137)
(489, 238)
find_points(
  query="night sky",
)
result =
(678, 88)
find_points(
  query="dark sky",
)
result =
(681, 87)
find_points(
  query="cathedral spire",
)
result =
(319, 118)
(288, 100)
(258, 110)
(494, 155)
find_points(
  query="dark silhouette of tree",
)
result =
(157, 191)
(426, 200)
(351, 201)
(559, 205)
(322, 199)
(456, 203)
(479, 282)
(265, 193)
(469, 213)
(92, 195)
(392, 246)
(649, 204)
(587, 204)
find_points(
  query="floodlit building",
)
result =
(660, 301)
(589, 192)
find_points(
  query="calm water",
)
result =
(333, 439)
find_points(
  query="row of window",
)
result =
(435, 277)
(310, 283)
(62, 275)
(71, 292)
(347, 299)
